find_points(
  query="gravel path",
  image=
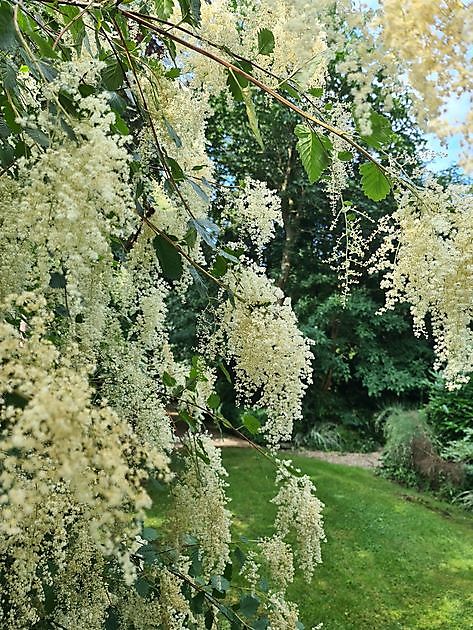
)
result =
(359, 460)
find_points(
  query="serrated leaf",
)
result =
(112, 622)
(249, 605)
(176, 170)
(381, 131)
(316, 91)
(142, 587)
(236, 83)
(251, 423)
(209, 619)
(197, 603)
(199, 191)
(173, 73)
(374, 182)
(219, 267)
(314, 152)
(195, 11)
(112, 76)
(265, 41)
(164, 8)
(261, 624)
(172, 134)
(169, 258)
(225, 372)
(220, 583)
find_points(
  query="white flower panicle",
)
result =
(272, 358)
(300, 514)
(200, 505)
(255, 211)
(430, 241)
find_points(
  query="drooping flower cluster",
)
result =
(200, 505)
(256, 211)
(437, 56)
(272, 359)
(431, 268)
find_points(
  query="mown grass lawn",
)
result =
(389, 562)
(394, 559)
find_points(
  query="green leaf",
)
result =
(207, 230)
(220, 583)
(9, 117)
(172, 134)
(120, 126)
(251, 113)
(15, 399)
(173, 73)
(374, 182)
(38, 136)
(197, 603)
(345, 156)
(57, 280)
(316, 91)
(195, 11)
(314, 152)
(190, 237)
(213, 401)
(225, 372)
(149, 533)
(236, 83)
(169, 258)
(381, 131)
(112, 622)
(209, 619)
(164, 8)
(7, 27)
(112, 76)
(176, 170)
(220, 267)
(7, 155)
(249, 605)
(142, 586)
(265, 41)
(251, 423)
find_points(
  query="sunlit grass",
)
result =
(393, 559)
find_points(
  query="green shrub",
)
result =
(323, 437)
(411, 455)
(400, 427)
(450, 412)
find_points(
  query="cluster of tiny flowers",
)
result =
(65, 462)
(277, 557)
(437, 55)
(256, 211)
(282, 614)
(199, 504)
(300, 514)
(431, 267)
(166, 607)
(272, 358)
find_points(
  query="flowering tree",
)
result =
(105, 189)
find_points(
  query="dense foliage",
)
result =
(106, 193)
